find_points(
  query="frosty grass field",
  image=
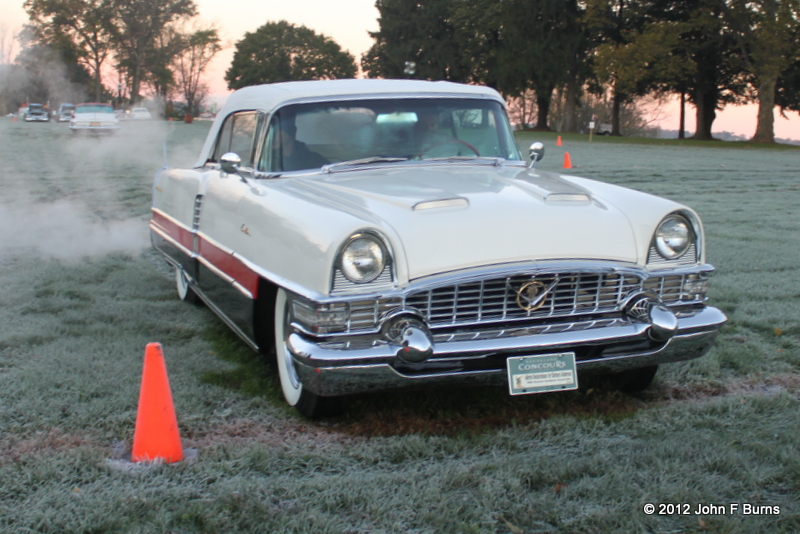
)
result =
(82, 295)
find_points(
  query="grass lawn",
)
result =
(713, 444)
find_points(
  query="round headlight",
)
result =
(362, 260)
(674, 237)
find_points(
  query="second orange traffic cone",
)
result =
(156, 435)
(558, 141)
(567, 161)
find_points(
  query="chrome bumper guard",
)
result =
(340, 371)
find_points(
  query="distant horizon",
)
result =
(349, 22)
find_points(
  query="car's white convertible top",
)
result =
(268, 97)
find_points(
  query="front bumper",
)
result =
(94, 129)
(623, 345)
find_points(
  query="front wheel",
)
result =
(307, 403)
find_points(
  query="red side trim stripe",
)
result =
(222, 260)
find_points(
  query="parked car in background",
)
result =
(94, 118)
(380, 234)
(604, 129)
(140, 114)
(65, 112)
(37, 113)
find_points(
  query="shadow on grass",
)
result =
(472, 411)
(445, 412)
(251, 374)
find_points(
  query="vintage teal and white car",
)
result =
(93, 118)
(380, 234)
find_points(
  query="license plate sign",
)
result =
(95, 125)
(542, 373)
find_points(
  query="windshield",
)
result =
(94, 108)
(307, 136)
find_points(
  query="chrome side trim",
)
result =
(213, 307)
(228, 279)
(155, 228)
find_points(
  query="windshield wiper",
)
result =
(496, 161)
(327, 169)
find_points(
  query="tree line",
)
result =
(709, 53)
(154, 43)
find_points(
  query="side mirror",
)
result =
(536, 153)
(230, 162)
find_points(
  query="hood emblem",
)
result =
(532, 294)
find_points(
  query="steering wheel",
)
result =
(448, 142)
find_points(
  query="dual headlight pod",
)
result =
(363, 258)
(674, 236)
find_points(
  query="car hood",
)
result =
(451, 216)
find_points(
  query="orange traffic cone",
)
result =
(156, 435)
(558, 141)
(567, 161)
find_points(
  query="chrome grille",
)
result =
(495, 299)
(673, 288)
(654, 259)
(364, 314)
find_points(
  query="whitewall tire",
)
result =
(307, 403)
(185, 292)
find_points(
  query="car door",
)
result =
(223, 237)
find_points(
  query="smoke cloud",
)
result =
(66, 230)
(70, 196)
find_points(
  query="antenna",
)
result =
(166, 163)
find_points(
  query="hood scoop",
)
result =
(560, 198)
(455, 202)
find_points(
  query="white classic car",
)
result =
(95, 118)
(378, 234)
(140, 114)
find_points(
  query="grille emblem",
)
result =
(532, 295)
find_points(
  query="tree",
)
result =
(136, 28)
(81, 24)
(198, 49)
(764, 31)
(49, 72)
(7, 39)
(157, 69)
(712, 76)
(280, 51)
(788, 93)
(620, 61)
(421, 32)
(538, 41)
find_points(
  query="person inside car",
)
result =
(295, 155)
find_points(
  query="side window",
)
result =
(270, 155)
(238, 135)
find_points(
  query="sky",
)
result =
(348, 22)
